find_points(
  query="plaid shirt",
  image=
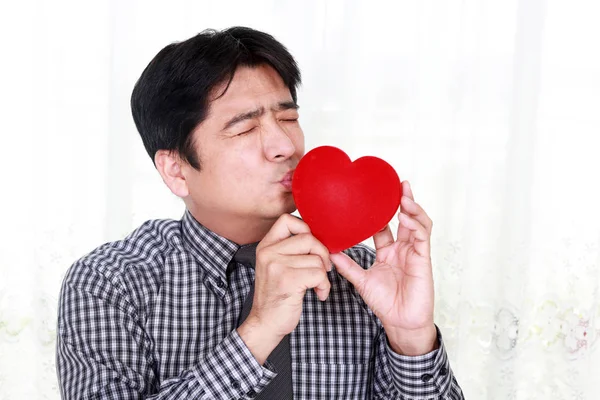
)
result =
(153, 316)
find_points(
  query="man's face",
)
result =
(249, 141)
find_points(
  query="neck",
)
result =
(236, 228)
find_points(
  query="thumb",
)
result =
(349, 269)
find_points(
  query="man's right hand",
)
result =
(289, 261)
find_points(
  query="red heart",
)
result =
(345, 202)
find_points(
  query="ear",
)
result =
(169, 166)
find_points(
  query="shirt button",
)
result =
(252, 394)
(426, 377)
(220, 283)
(443, 371)
(235, 384)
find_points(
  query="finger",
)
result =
(407, 190)
(415, 211)
(403, 233)
(421, 243)
(301, 261)
(383, 238)
(303, 243)
(309, 278)
(349, 269)
(286, 226)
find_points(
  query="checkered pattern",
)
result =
(153, 316)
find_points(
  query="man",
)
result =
(191, 309)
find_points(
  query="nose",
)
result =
(277, 144)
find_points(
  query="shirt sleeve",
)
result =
(414, 377)
(103, 352)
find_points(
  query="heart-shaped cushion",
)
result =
(344, 202)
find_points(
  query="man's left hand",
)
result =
(399, 285)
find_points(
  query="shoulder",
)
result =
(136, 260)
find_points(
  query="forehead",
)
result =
(250, 87)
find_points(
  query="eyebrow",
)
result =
(281, 106)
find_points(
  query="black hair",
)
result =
(172, 96)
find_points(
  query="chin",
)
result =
(290, 205)
(276, 211)
(291, 209)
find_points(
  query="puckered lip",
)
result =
(288, 176)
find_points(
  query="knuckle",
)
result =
(261, 257)
(315, 260)
(323, 275)
(304, 237)
(319, 247)
(280, 221)
(272, 269)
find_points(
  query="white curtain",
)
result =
(490, 108)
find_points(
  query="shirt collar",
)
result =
(212, 250)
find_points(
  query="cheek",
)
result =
(242, 174)
(238, 165)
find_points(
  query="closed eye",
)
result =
(245, 132)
